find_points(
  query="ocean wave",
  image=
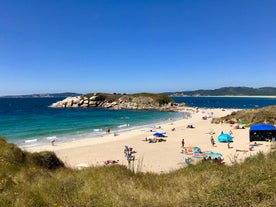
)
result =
(123, 125)
(30, 140)
(52, 137)
(97, 130)
(125, 117)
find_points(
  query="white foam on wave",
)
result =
(30, 140)
(97, 130)
(52, 137)
(123, 125)
(124, 117)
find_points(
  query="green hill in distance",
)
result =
(43, 95)
(228, 91)
(225, 91)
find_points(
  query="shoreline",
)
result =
(87, 135)
(157, 157)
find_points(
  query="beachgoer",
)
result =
(187, 161)
(53, 142)
(228, 143)
(107, 162)
(107, 130)
(220, 160)
(212, 141)
(129, 156)
(182, 143)
(126, 150)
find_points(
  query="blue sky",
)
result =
(135, 46)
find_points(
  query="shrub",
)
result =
(164, 99)
(47, 160)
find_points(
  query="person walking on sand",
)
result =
(212, 141)
(228, 143)
(182, 143)
(53, 142)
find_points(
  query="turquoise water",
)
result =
(29, 121)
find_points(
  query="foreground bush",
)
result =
(251, 183)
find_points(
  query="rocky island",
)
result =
(139, 101)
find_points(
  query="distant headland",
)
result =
(43, 95)
(224, 91)
(228, 91)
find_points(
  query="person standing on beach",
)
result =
(53, 142)
(212, 141)
(107, 130)
(182, 143)
(228, 143)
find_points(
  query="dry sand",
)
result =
(161, 156)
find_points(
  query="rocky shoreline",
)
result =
(122, 102)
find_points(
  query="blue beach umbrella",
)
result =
(158, 134)
(225, 138)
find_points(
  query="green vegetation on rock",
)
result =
(161, 99)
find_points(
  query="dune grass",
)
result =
(26, 182)
(251, 116)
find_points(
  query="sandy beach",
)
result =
(161, 156)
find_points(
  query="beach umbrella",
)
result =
(158, 134)
(197, 150)
(225, 137)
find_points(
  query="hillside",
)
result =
(251, 116)
(41, 180)
(43, 95)
(228, 91)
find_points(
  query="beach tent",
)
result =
(224, 137)
(262, 132)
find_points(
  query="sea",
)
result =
(29, 122)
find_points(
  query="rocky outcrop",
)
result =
(118, 102)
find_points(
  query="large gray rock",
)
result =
(123, 102)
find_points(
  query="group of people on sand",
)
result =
(155, 140)
(128, 151)
(129, 154)
(111, 162)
